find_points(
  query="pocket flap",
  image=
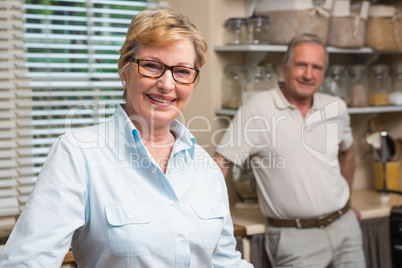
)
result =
(120, 214)
(210, 209)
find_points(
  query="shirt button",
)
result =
(171, 202)
(169, 170)
(212, 210)
(130, 215)
(181, 237)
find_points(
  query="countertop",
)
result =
(367, 201)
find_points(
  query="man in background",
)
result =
(301, 150)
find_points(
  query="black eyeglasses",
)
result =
(155, 69)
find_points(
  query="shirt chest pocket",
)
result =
(211, 215)
(131, 229)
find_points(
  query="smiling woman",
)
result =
(134, 191)
(155, 102)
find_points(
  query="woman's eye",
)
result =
(151, 66)
(182, 71)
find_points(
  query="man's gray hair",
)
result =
(304, 38)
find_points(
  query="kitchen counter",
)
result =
(367, 201)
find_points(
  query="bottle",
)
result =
(395, 97)
(356, 95)
(257, 30)
(235, 31)
(379, 85)
(233, 84)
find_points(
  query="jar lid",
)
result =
(356, 68)
(258, 20)
(235, 21)
(336, 68)
(255, 17)
(380, 68)
(235, 68)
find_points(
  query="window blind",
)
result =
(12, 72)
(58, 72)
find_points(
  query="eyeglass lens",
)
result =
(156, 69)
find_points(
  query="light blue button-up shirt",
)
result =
(101, 192)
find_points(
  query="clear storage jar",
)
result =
(395, 97)
(356, 95)
(233, 84)
(257, 30)
(235, 31)
(335, 81)
(380, 84)
(258, 79)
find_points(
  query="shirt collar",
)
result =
(282, 103)
(184, 139)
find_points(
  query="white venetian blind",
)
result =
(58, 71)
(12, 73)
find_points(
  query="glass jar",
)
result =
(395, 98)
(380, 84)
(258, 79)
(272, 74)
(257, 30)
(235, 31)
(335, 81)
(356, 95)
(233, 83)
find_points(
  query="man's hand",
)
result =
(357, 214)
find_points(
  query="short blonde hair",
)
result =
(151, 27)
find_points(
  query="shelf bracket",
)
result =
(250, 7)
(253, 58)
(368, 59)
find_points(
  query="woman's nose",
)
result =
(166, 82)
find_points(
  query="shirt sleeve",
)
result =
(226, 255)
(55, 209)
(346, 137)
(239, 140)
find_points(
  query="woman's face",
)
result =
(158, 101)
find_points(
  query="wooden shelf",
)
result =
(351, 110)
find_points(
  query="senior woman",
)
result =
(136, 191)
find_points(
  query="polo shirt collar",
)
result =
(282, 103)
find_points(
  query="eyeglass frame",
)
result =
(167, 67)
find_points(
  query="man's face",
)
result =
(305, 72)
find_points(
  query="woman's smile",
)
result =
(160, 99)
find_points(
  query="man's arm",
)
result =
(224, 164)
(347, 163)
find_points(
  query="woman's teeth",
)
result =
(159, 100)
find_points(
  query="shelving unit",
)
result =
(280, 48)
(351, 110)
(254, 53)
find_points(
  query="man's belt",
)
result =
(320, 222)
